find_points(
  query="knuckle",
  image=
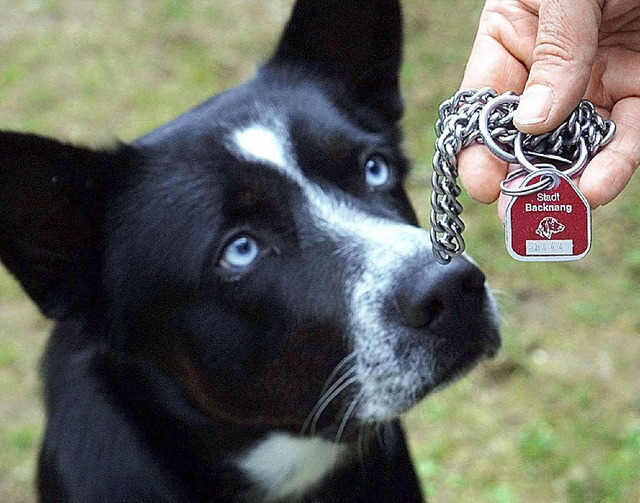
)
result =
(553, 52)
(562, 37)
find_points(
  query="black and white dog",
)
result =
(244, 300)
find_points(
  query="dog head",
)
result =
(260, 249)
(549, 226)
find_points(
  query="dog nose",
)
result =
(441, 294)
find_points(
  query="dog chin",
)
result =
(392, 400)
(463, 365)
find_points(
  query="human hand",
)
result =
(559, 52)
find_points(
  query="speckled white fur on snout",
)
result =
(381, 249)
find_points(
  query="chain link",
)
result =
(485, 117)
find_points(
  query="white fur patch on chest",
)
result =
(284, 465)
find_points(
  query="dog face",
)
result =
(260, 249)
(549, 226)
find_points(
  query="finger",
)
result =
(611, 169)
(503, 199)
(503, 202)
(481, 173)
(490, 65)
(494, 61)
(614, 75)
(565, 50)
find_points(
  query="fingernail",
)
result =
(535, 105)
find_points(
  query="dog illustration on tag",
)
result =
(549, 226)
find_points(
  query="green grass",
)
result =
(554, 418)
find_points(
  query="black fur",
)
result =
(164, 366)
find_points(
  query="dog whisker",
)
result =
(327, 392)
(347, 415)
(332, 393)
(341, 364)
(381, 434)
(365, 435)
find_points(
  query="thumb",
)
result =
(565, 50)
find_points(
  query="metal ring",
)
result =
(610, 132)
(573, 170)
(510, 176)
(483, 125)
(548, 180)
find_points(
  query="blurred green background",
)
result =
(555, 418)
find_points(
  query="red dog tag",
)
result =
(550, 224)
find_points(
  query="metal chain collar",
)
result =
(486, 117)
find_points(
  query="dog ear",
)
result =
(51, 212)
(356, 43)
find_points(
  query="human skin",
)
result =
(556, 53)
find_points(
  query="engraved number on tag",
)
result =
(551, 224)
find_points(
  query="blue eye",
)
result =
(377, 171)
(240, 253)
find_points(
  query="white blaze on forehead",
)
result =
(267, 142)
(261, 144)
